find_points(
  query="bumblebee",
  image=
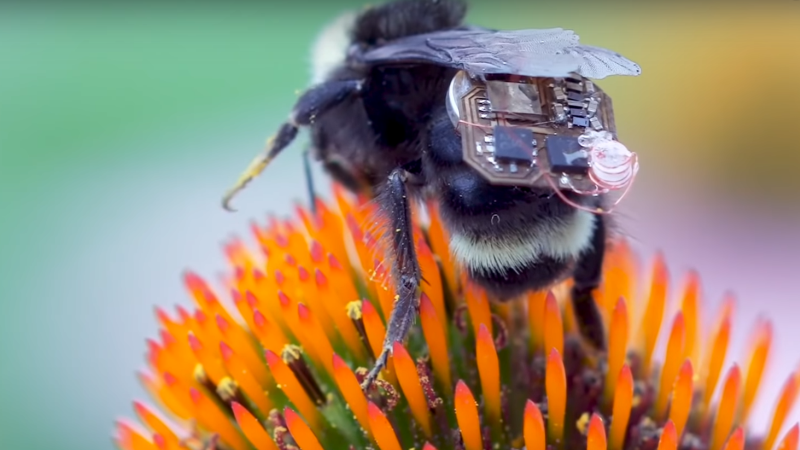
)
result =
(504, 130)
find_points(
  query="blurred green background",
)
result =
(122, 123)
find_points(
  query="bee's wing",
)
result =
(552, 52)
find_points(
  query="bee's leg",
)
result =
(311, 104)
(406, 274)
(587, 277)
(312, 194)
(343, 172)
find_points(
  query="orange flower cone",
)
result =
(278, 366)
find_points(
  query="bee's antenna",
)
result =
(311, 104)
(312, 194)
(275, 145)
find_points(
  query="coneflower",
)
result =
(282, 370)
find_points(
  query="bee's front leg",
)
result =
(314, 102)
(406, 274)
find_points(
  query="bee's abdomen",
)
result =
(533, 254)
(510, 239)
(511, 283)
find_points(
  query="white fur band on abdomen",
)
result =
(560, 239)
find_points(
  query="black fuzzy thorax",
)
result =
(393, 20)
(383, 127)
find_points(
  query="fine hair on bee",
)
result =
(379, 124)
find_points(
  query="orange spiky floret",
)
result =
(623, 400)
(382, 429)
(282, 368)
(467, 415)
(553, 326)
(617, 348)
(300, 431)
(489, 371)
(682, 393)
(672, 363)
(436, 337)
(536, 302)
(253, 430)
(533, 427)
(596, 436)
(789, 441)
(411, 387)
(556, 389)
(669, 438)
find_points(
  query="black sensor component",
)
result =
(580, 121)
(566, 155)
(574, 96)
(575, 112)
(513, 144)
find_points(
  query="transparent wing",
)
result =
(598, 62)
(552, 52)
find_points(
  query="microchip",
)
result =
(513, 144)
(574, 96)
(580, 121)
(566, 155)
(574, 112)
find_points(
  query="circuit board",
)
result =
(515, 130)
